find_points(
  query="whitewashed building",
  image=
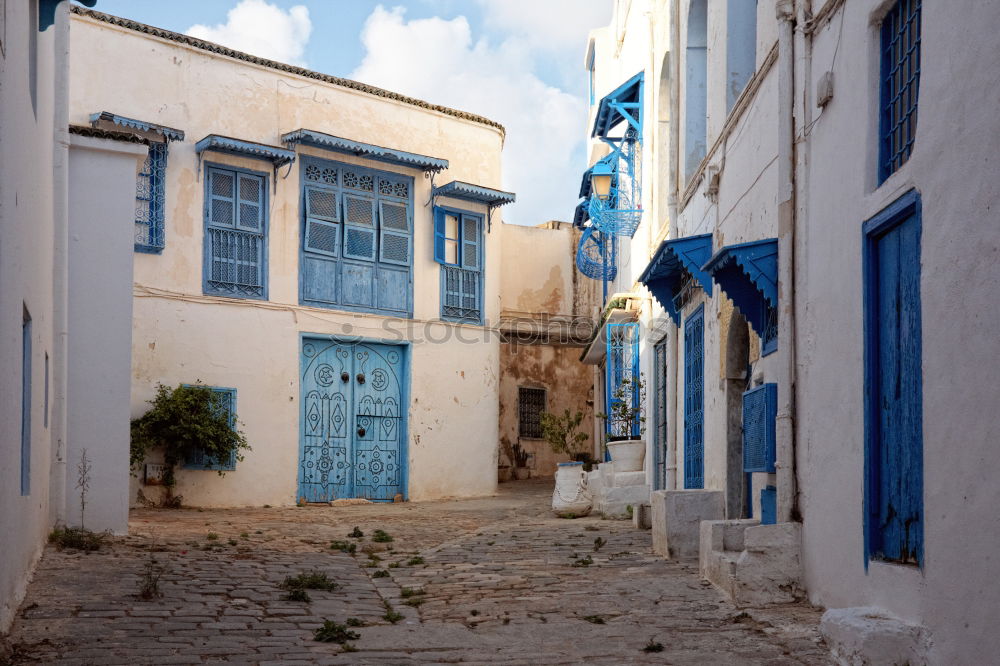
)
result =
(325, 253)
(824, 365)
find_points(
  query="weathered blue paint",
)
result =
(26, 403)
(694, 399)
(370, 151)
(769, 505)
(354, 404)
(660, 414)
(199, 460)
(748, 274)
(457, 189)
(900, 85)
(894, 514)
(236, 225)
(357, 238)
(622, 354)
(760, 411)
(741, 47)
(624, 103)
(260, 151)
(670, 266)
(168, 133)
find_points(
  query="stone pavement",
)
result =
(492, 580)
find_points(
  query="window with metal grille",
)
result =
(900, 85)
(530, 405)
(198, 460)
(150, 200)
(769, 339)
(235, 233)
(458, 248)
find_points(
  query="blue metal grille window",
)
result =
(660, 413)
(900, 85)
(235, 233)
(622, 373)
(199, 460)
(694, 399)
(530, 405)
(150, 199)
(458, 248)
(760, 411)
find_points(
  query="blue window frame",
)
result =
(694, 399)
(235, 232)
(200, 460)
(357, 238)
(622, 352)
(893, 384)
(150, 200)
(900, 85)
(26, 403)
(458, 247)
(660, 414)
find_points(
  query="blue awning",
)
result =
(748, 274)
(673, 262)
(458, 189)
(168, 133)
(626, 98)
(260, 151)
(346, 146)
(581, 214)
(585, 184)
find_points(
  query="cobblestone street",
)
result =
(473, 581)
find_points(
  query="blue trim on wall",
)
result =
(905, 209)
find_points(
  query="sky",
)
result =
(519, 62)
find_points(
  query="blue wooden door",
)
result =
(895, 438)
(694, 399)
(352, 421)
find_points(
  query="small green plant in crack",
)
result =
(233, 542)
(583, 561)
(244, 535)
(212, 536)
(390, 613)
(309, 580)
(593, 619)
(653, 646)
(381, 573)
(149, 579)
(374, 558)
(408, 592)
(591, 528)
(297, 594)
(78, 538)
(381, 536)
(356, 533)
(344, 547)
(415, 602)
(599, 543)
(414, 561)
(354, 622)
(393, 565)
(333, 632)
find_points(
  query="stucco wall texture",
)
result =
(181, 336)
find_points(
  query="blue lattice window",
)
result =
(900, 85)
(235, 233)
(760, 411)
(150, 200)
(227, 403)
(458, 247)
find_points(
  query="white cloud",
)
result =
(262, 29)
(438, 60)
(548, 24)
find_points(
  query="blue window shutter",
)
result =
(394, 233)
(322, 232)
(251, 202)
(198, 459)
(471, 241)
(151, 200)
(359, 229)
(760, 410)
(439, 236)
(235, 233)
(769, 506)
(221, 188)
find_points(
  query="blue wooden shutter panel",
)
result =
(760, 410)
(439, 236)
(394, 233)
(235, 237)
(359, 229)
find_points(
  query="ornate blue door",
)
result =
(352, 421)
(694, 399)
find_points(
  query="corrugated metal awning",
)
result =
(348, 147)
(748, 274)
(669, 268)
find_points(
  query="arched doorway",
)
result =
(737, 381)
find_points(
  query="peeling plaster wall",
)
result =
(179, 335)
(954, 167)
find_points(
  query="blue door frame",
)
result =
(694, 399)
(353, 428)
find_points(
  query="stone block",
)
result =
(622, 479)
(754, 564)
(872, 637)
(641, 517)
(614, 501)
(676, 517)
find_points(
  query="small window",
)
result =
(150, 200)
(530, 405)
(235, 233)
(200, 460)
(900, 85)
(458, 247)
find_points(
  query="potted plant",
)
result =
(560, 431)
(521, 471)
(185, 422)
(627, 424)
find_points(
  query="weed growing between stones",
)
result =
(414, 561)
(354, 622)
(653, 646)
(393, 565)
(381, 536)
(333, 632)
(212, 536)
(149, 579)
(356, 533)
(381, 573)
(408, 592)
(390, 613)
(583, 561)
(244, 535)
(309, 580)
(297, 594)
(78, 538)
(344, 547)
(591, 528)
(599, 543)
(593, 619)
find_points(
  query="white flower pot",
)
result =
(571, 494)
(627, 454)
